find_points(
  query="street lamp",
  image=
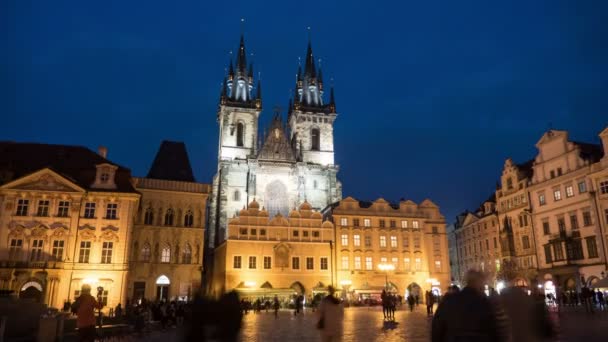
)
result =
(386, 268)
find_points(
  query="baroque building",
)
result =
(407, 237)
(168, 238)
(265, 256)
(282, 169)
(66, 216)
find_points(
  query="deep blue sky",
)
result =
(432, 95)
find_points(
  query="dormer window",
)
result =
(105, 177)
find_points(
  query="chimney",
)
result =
(102, 151)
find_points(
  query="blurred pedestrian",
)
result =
(276, 306)
(411, 302)
(84, 308)
(384, 300)
(331, 316)
(467, 315)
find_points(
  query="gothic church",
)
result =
(292, 164)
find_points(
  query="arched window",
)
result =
(187, 254)
(237, 195)
(315, 137)
(145, 253)
(240, 134)
(149, 216)
(165, 255)
(188, 219)
(169, 217)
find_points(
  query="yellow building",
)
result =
(379, 244)
(66, 215)
(167, 242)
(263, 256)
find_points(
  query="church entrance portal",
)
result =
(31, 290)
(162, 288)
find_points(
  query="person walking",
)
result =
(384, 300)
(467, 315)
(331, 316)
(430, 301)
(276, 306)
(411, 301)
(84, 308)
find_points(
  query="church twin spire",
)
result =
(238, 84)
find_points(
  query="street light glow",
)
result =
(386, 267)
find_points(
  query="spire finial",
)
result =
(242, 27)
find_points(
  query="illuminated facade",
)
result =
(282, 255)
(404, 243)
(167, 243)
(289, 165)
(66, 215)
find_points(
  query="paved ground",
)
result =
(366, 324)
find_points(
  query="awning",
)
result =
(600, 284)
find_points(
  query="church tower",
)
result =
(238, 110)
(311, 119)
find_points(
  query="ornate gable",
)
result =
(44, 180)
(276, 146)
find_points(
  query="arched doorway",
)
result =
(162, 288)
(298, 288)
(31, 290)
(413, 289)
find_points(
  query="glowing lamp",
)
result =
(345, 282)
(386, 267)
(250, 283)
(90, 281)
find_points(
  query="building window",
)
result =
(407, 264)
(437, 266)
(487, 245)
(582, 187)
(552, 173)
(240, 132)
(403, 224)
(604, 187)
(356, 240)
(236, 196)
(236, 261)
(495, 243)
(368, 241)
(561, 225)
(591, 247)
(525, 241)
(369, 265)
(36, 250)
(356, 222)
(367, 222)
(296, 233)
(187, 254)
(586, 218)
(252, 262)
(111, 211)
(558, 251)
(406, 242)
(16, 247)
(393, 241)
(417, 242)
(243, 231)
(383, 260)
(254, 232)
(569, 191)
(573, 221)
(85, 252)
(57, 252)
(316, 139)
(546, 229)
(22, 207)
(149, 216)
(345, 263)
(310, 263)
(382, 241)
(418, 264)
(169, 217)
(541, 199)
(63, 209)
(344, 222)
(415, 225)
(393, 224)
(324, 264)
(315, 233)
(165, 256)
(574, 250)
(263, 232)
(89, 210)
(106, 252)
(295, 263)
(104, 298)
(267, 262)
(382, 223)
(43, 208)
(357, 262)
(188, 219)
(145, 253)
(344, 240)
(557, 195)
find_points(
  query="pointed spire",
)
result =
(332, 99)
(231, 70)
(259, 90)
(224, 92)
(309, 68)
(250, 71)
(241, 57)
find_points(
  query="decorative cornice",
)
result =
(86, 227)
(110, 227)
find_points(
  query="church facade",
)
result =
(293, 163)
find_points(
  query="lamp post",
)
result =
(386, 268)
(99, 301)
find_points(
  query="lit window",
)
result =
(369, 265)
(22, 207)
(89, 210)
(236, 261)
(106, 252)
(437, 266)
(403, 224)
(43, 208)
(344, 222)
(418, 264)
(569, 191)
(383, 260)
(541, 199)
(393, 241)
(165, 256)
(344, 240)
(367, 222)
(145, 253)
(382, 241)
(36, 250)
(324, 263)
(267, 262)
(557, 195)
(63, 209)
(85, 252)
(357, 262)
(187, 255)
(357, 240)
(252, 262)
(58, 250)
(395, 262)
(407, 264)
(345, 263)
(111, 211)
(415, 225)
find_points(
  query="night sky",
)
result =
(432, 95)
